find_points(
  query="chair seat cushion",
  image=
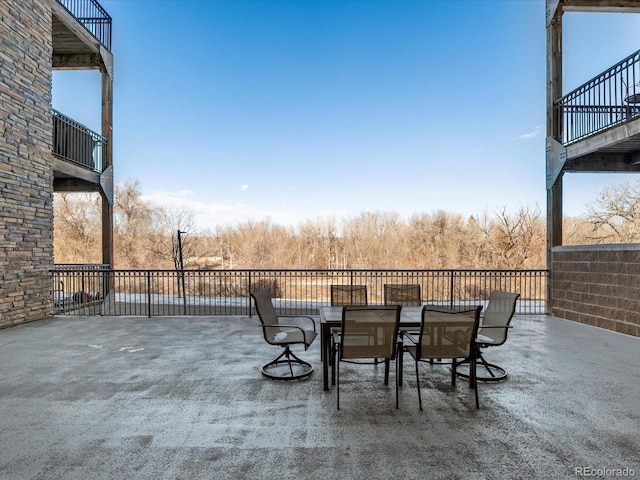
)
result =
(286, 336)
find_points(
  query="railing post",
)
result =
(149, 293)
(250, 290)
(451, 286)
(105, 287)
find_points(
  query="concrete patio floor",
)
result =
(183, 398)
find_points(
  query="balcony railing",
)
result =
(609, 99)
(75, 143)
(93, 17)
(71, 291)
(226, 292)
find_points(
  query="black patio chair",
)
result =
(367, 332)
(444, 334)
(407, 295)
(348, 295)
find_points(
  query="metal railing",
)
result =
(82, 286)
(609, 99)
(93, 17)
(75, 143)
(226, 292)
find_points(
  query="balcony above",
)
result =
(77, 155)
(600, 121)
(81, 33)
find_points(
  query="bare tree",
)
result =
(261, 244)
(133, 224)
(170, 221)
(518, 237)
(373, 240)
(316, 245)
(77, 228)
(615, 214)
(435, 240)
(476, 251)
(145, 236)
(577, 231)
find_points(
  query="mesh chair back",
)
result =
(405, 295)
(499, 312)
(369, 332)
(447, 334)
(342, 295)
(267, 314)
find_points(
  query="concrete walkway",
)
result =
(183, 398)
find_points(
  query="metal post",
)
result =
(250, 290)
(184, 292)
(451, 286)
(149, 293)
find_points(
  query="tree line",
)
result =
(145, 236)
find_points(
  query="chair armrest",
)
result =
(482, 339)
(280, 325)
(283, 325)
(313, 322)
(280, 341)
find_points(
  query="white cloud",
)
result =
(185, 192)
(211, 215)
(244, 188)
(533, 134)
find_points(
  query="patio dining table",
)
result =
(331, 317)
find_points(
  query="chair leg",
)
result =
(289, 362)
(277, 361)
(400, 350)
(397, 383)
(334, 352)
(473, 380)
(418, 384)
(386, 371)
(336, 361)
(453, 373)
(495, 373)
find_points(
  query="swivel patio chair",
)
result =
(444, 334)
(284, 335)
(348, 295)
(407, 295)
(367, 332)
(493, 330)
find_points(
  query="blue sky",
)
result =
(293, 110)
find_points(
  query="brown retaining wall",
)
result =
(598, 285)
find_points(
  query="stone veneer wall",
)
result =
(598, 285)
(26, 178)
